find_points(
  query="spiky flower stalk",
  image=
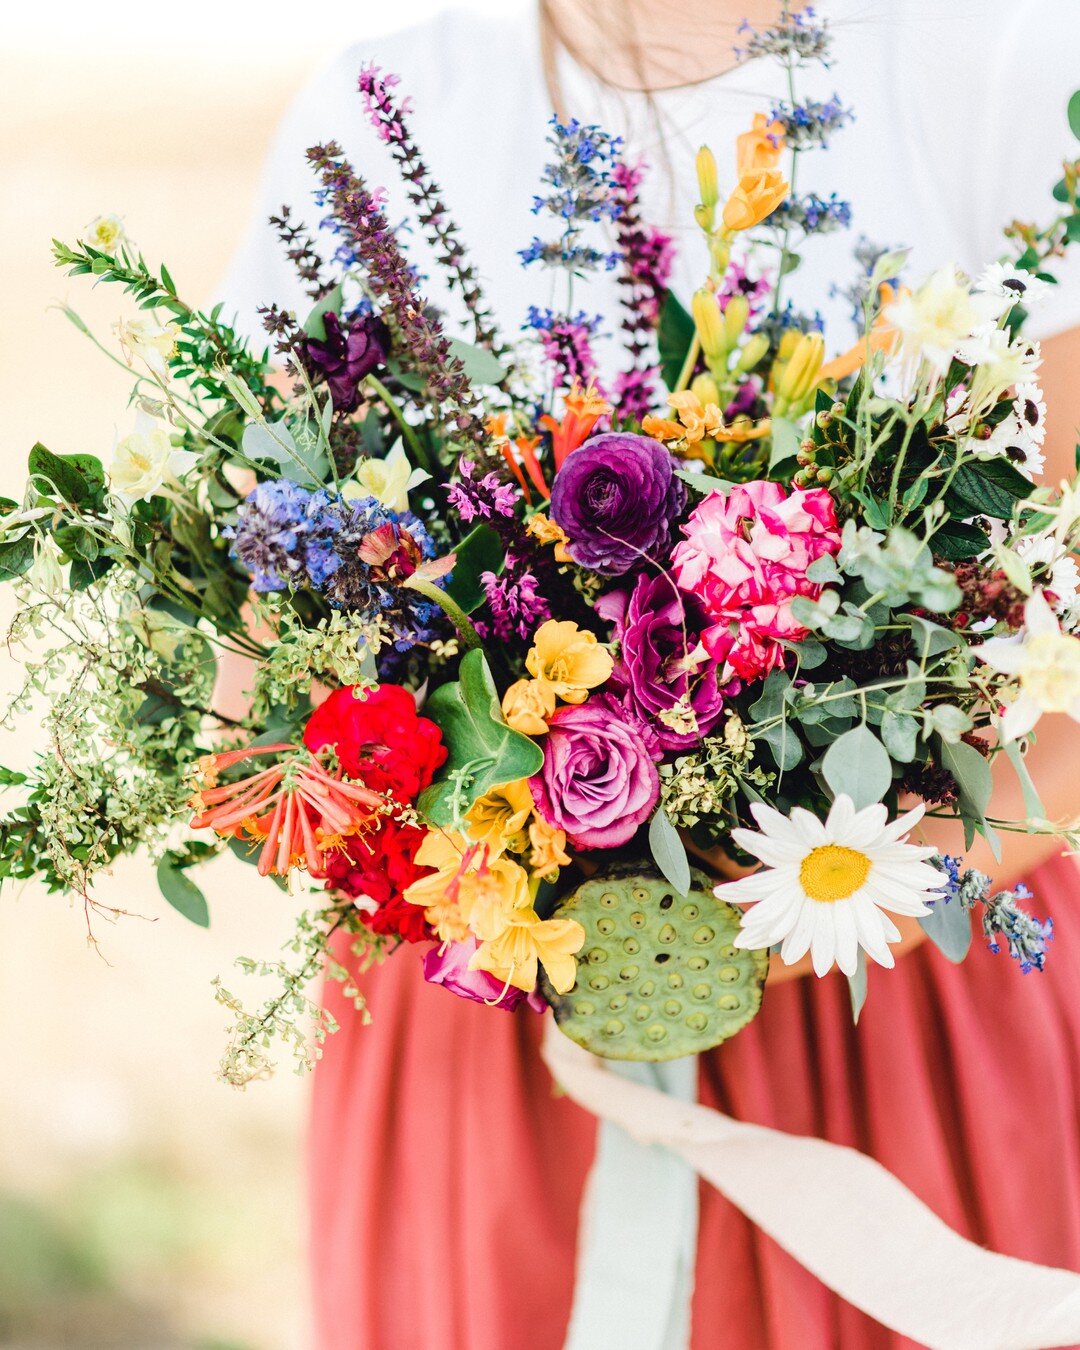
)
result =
(388, 115)
(356, 213)
(302, 253)
(646, 266)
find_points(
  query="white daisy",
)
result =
(1046, 555)
(825, 883)
(1011, 286)
(1030, 409)
(1046, 664)
(1012, 439)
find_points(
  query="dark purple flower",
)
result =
(617, 497)
(348, 355)
(448, 965)
(598, 782)
(655, 671)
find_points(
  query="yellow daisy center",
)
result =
(833, 873)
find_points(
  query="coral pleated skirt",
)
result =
(446, 1174)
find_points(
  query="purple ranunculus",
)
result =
(617, 496)
(598, 782)
(348, 355)
(654, 670)
(448, 965)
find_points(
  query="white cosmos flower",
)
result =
(825, 884)
(145, 461)
(388, 480)
(1013, 439)
(1011, 286)
(1046, 664)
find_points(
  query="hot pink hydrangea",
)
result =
(745, 557)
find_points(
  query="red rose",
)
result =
(380, 739)
(378, 866)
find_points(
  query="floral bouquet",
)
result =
(535, 650)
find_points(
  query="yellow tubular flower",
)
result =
(498, 818)
(493, 896)
(708, 187)
(512, 956)
(569, 659)
(752, 353)
(527, 705)
(800, 374)
(709, 323)
(735, 316)
(704, 389)
(756, 197)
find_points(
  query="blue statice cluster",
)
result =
(355, 553)
(811, 123)
(799, 38)
(1003, 918)
(813, 214)
(580, 193)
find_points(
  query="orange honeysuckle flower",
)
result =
(298, 808)
(760, 147)
(756, 197)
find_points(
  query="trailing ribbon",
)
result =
(843, 1216)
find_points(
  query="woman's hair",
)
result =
(645, 65)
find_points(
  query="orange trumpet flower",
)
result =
(298, 808)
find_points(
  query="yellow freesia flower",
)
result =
(548, 848)
(756, 197)
(498, 818)
(512, 956)
(569, 659)
(527, 705)
(470, 892)
(388, 480)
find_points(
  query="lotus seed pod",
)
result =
(659, 975)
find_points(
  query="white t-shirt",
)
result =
(960, 127)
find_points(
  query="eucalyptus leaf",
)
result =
(949, 721)
(784, 745)
(181, 892)
(314, 324)
(481, 367)
(669, 851)
(948, 926)
(1033, 806)
(975, 781)
(900, 732)
(858, 764)
(786, 441)
(701, 482)
(483, 751)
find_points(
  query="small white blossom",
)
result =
(1011, 286)
(388, 480)
(1046, 665)
(936, 318)
(149, 340)
(106, 233)
(144, 462)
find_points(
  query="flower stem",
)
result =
(469, 636)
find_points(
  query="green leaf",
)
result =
(1072, 229)
(987, 487)
(480, 551)
(858, 764)
(483, 750)
(949, 721)
(16, 557)
(786, 441)
(857, 986)
(948, 926)
(877, 513)
(957, 541)
(784, 745)
(481, 367)
(11, 777)
(900, 732)
(181, 892)
(701, 482)
(931, 639)
(975, 781)
(674, 336)
(78, 479)
(314, 325)
(669, 851)
(76, 542)
(1074, 114)
(1032, 801)
(83, 572)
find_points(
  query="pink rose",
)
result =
(448, 965)
(745, 557)
(598, 782)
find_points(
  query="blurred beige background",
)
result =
(142, 1203)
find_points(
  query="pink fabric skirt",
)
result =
(446, 1174)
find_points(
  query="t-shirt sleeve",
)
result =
(1030, 67)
